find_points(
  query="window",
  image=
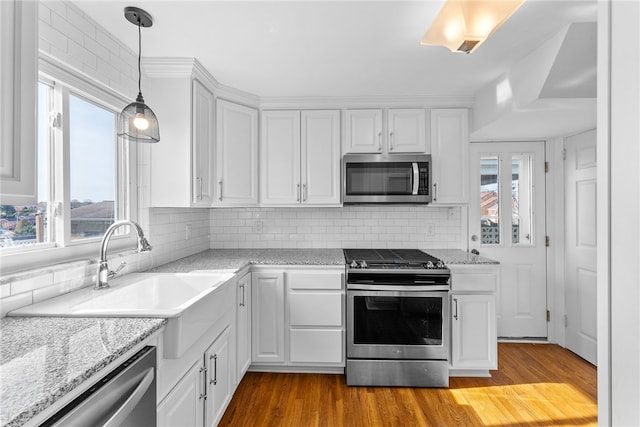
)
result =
(82, 174)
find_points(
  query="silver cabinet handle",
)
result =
(455, 301)
(379, 141)
(391, 141)
(435, 191)
(220, 184)
(204, 378)
(242, 301)
(199, 194)
(305, 192)
(298, 192)
(214, 381)
(132, 401)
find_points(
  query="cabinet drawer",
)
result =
(316, 346)
(475, 280)
(314, 279)
(315, 309)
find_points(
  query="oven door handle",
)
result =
(398, 288)
(416, 178)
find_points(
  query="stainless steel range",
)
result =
(397, 318)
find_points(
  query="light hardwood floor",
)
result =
(535, 384)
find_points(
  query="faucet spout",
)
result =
(102, 280)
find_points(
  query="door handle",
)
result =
(391, 135)
(435, 191)
(199, 194)
(242, 301)
(214, 381)
(305, 192)
(220, 184)
(204, 378)
(132, 401)
(379, 141)
(298, 192)
(475, 251)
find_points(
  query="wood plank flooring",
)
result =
(535, 384)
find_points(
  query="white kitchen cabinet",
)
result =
(243, 328)
(219, 377)
(267, 317)
(184, 405)
(236, 154)
(474, 346)
(450, 155)
(405, 131)
(363, 131)
(18, 95)
(182, 163)
(300, 158)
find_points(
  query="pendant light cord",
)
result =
(139, 55)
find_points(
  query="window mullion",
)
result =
(60, 175)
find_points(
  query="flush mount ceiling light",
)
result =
(137, 121)
(462, 25)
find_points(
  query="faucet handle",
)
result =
(143, 244)
(121, 267)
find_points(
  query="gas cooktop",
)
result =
(391, 259)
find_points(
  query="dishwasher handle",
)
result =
(132, 401)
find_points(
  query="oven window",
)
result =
(379, 179)
(384, 320)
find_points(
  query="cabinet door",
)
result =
(202, 134)
(450, 155)
(243, 326)
(363, 131)
(321, 157)
(184, 404)
(218, 361)
(236, 154)
(280, 158)
(316, 346)
(474, 340)
(407, 131)
(18, 95)
(315, 308)
(267, 317)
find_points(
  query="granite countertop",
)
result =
(44, 358)
(457, 256)
(235, 259)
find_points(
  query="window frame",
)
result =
(68, 82)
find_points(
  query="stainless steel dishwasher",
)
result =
(124, 397)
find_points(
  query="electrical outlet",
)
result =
(431, 230)
(258, 226)
(187, 232)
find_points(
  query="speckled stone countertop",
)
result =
(235, 259)
(44, 358)
(457, 256)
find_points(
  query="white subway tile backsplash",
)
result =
(31, 283)
(14, 302)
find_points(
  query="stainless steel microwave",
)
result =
(386, 178)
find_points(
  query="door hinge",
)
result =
(546, 167)
(547, 241)
(566, 321)
(548, 316)
(564, 154)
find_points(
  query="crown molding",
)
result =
(337, 102)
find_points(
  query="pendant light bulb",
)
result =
(141, 122)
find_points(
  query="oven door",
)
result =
(386, 324)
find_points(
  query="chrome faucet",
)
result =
(104, 274)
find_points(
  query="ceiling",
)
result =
(328, 48)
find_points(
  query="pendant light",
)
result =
(137, 121)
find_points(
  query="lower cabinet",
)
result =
(474, 344)
(218, 377)
(243, 326)
(297, 318)
(184, 405)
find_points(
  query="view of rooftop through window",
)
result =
(92, 175)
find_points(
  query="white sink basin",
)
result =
(191, 303)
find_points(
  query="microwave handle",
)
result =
(416, 178)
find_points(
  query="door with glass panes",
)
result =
(507, 223)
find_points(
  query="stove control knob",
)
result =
(353, 264)
(364, 264)
(429, 264)
(440, 264)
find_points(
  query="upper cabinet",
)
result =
(450, 155)
(300, 158)
(236, 154)
(182, 162)
(405, 131)
(18, 85)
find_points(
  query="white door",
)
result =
(202, 128)
(407, 130)
(580, 245)
(267, 317)
(236, 154)
(320, 157)
(450, 155)
(507, 223)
